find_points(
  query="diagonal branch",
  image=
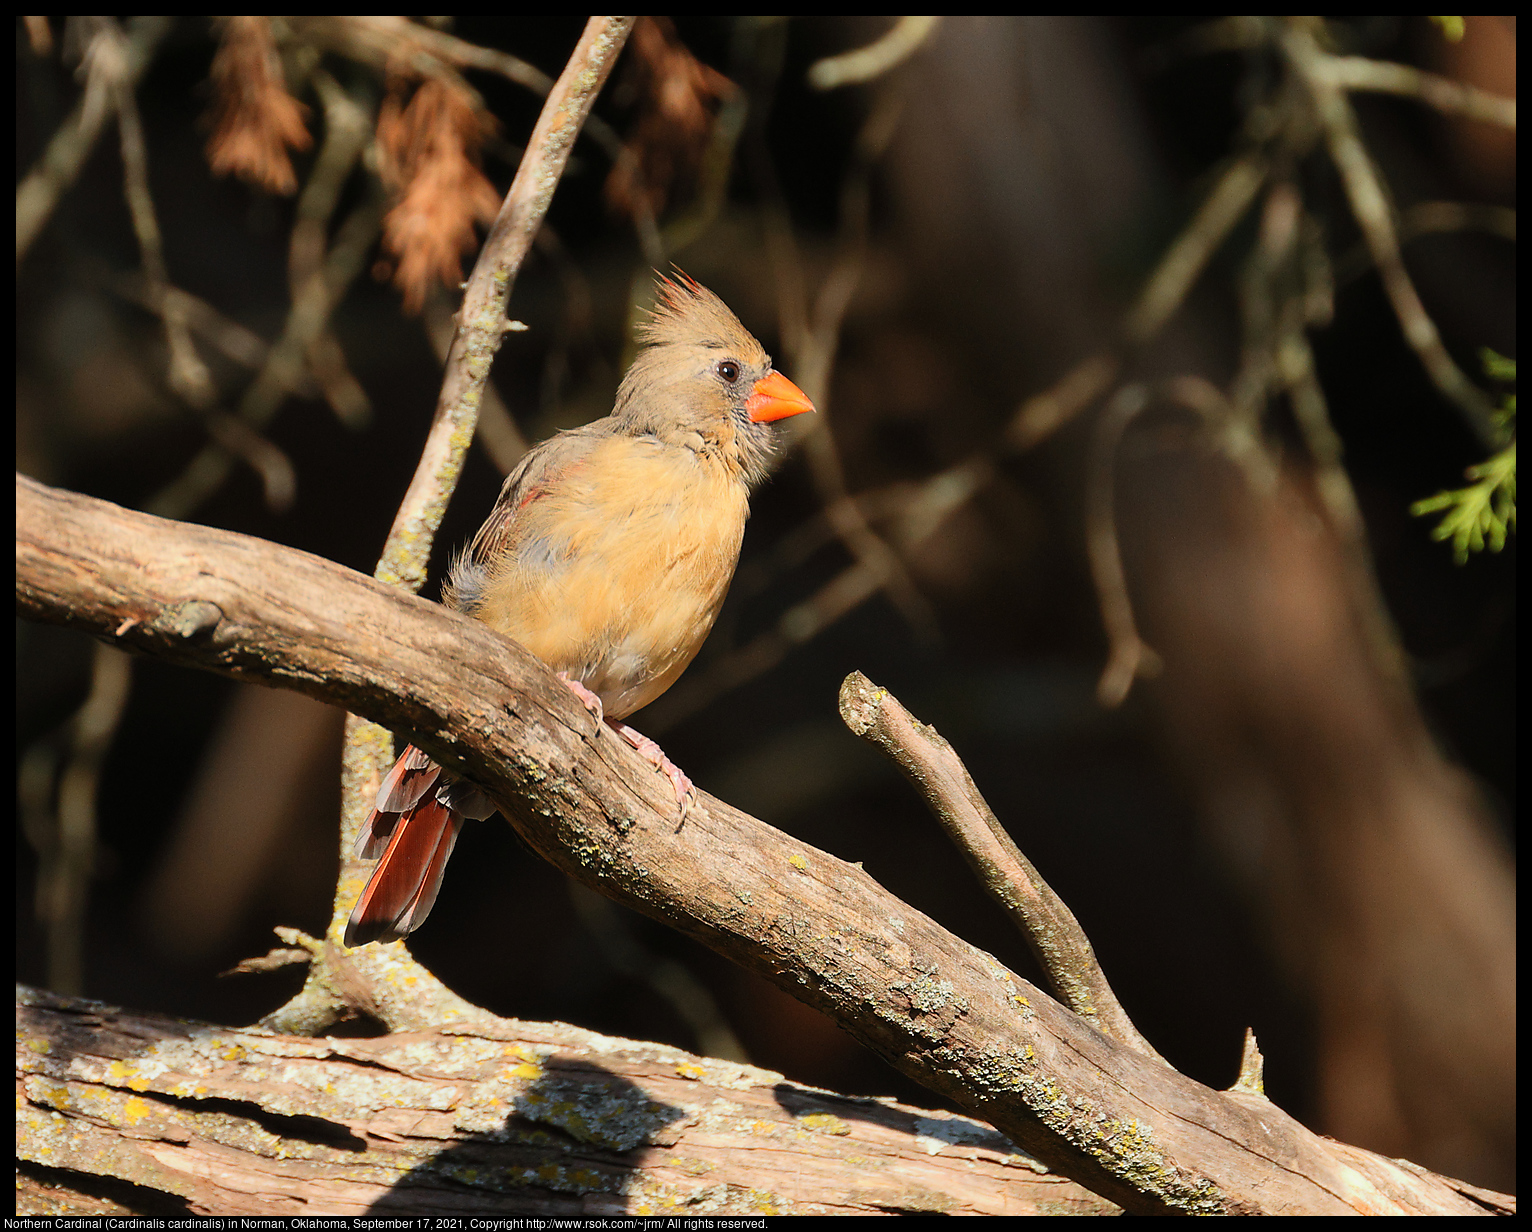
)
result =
(939, 1010)
(1050, 928)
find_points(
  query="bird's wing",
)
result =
(531, 478)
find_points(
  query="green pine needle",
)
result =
(1480, 516)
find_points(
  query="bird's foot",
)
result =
(592, 702)
(655, 756)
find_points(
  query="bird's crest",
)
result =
(686, 311)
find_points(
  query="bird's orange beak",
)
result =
(775, 397)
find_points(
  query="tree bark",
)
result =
(533, 1119)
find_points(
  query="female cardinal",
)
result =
(608, 556)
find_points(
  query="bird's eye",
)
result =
(729, 370)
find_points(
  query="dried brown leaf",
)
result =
(678, 102)
(430, 157)
(255, 120)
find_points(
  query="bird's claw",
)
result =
(686, 793)
(592, 702)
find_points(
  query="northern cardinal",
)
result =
(608, 556)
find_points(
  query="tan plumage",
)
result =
(608, 556)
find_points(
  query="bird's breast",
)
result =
(615, 567)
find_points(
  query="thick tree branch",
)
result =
(935, 1007)
(513, 1118)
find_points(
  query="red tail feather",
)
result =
(404, 885)
(414, 825)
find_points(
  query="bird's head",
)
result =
(702, 376)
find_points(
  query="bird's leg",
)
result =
(592, 702)
(647, 748)
(655, 756)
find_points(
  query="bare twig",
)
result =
(38, 194)
(712, 177)
(865, 63)
(385, 40)
(1278, 303)
(388, 42)
(348, 130)
(236, 436)
(791, 283)
(1043, 414)
(232, 435)
(286, 368)
(1185, 260)
(399, 45)
(1129, 656)
(1050, 928)
(1163, 294)
(1452, 97)
(244, 346)
(1296, 371)
(1370, 207)
(1266, 279)
(496, 433)
(1358, 73)
(70, 854)
(815, 360)
(188, 375)
(792, 549)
